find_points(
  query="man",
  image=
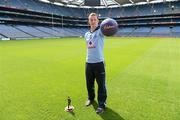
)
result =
(95, 68)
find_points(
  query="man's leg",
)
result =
(100, 78)
(90, 78)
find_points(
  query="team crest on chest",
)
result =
(90, 43)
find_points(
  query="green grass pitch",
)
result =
(143, 79)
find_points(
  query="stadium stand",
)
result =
(160, 31)
(175, 31)
(11, 32)
(34, 32)
(125, 31)
(141, 32)
(21, 19)
(1, 36)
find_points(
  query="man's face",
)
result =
(93, 21)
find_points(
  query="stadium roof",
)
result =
(104, 3)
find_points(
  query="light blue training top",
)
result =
(95, 46)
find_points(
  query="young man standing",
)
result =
(95, 68)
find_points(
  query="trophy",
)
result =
(69, 107)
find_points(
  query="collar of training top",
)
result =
(95, 29)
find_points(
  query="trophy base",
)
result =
(69, 109)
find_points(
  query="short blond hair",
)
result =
(93, 14)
